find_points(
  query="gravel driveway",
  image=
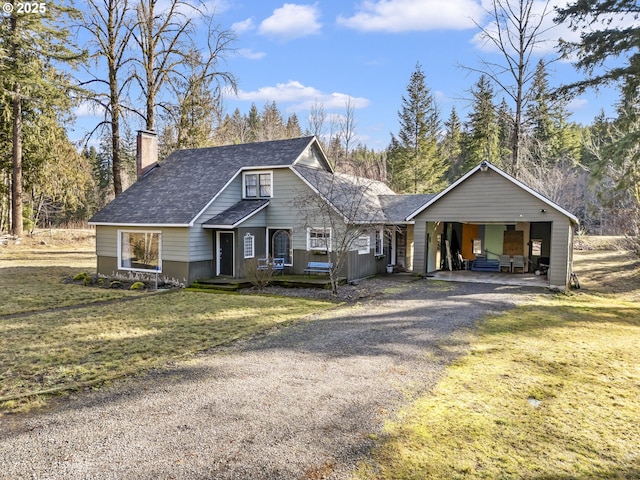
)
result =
(301, 402)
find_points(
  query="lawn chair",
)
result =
(505, 261)
(518, 262)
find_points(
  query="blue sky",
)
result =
(298, 54)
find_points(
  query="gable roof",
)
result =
(236, 214)
(487, 165)
(179, 188)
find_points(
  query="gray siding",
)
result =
(200, 239)
(174, 241)
(310, 158)
(258, 220)
(487, 197)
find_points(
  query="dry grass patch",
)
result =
(548, 390)
(32, 280)
(57, 351)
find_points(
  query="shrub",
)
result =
(80, 277)
(115, 284)
(259, 275)
(138, 286)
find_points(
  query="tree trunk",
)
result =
(16, 179)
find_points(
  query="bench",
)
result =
(318, 267)
(276, 264)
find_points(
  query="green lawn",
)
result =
(550, 390)
(48, 350)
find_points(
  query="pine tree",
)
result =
(482, 127)
(603, 38)
(505, 135)
(414, 165)
(451, 146)
(34, 43)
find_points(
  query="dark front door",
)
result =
(225, 253)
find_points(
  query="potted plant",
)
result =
(389, 268)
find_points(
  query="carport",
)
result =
(486, 215)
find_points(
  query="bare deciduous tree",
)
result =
(109, 23)
(516, 30)
(344, 211)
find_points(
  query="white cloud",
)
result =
(88, 109)
(301, 97)
(549, 33)
(542, 13)
(413, 15)
(292, 21)
(577, 104)
(250, 54)
(243, 26)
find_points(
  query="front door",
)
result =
(225, 253)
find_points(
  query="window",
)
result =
(319, 239)
(139, 251)
(536, 247)
(380, 242)
(257, 185)
(280, 245)
(477, 246)
(249, 246)
(363, 244)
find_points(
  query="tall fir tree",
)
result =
(34, 43)
(414, 164)
(451, 146)
(482, 127)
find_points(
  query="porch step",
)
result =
(227, 286)
(485, 266)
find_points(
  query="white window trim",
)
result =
(252, 245)
(256, 172)
(120, 267)
(379, 235)
(363, 244)
(324, 231)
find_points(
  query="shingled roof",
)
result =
(357, 198)
(398, 207)
(181, 186)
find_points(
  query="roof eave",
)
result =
(140, 225)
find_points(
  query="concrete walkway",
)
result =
(494, 278)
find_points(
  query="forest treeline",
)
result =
(154, 75)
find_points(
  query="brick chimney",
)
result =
(146, 152)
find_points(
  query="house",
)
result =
(202, 213)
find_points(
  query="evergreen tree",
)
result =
(271, 123)
(414, 165)
(253, 121)
(33, 44)
(603, 38)
(482, 127)
(451, 146)
(550, 137)
(293, 130)
(505, 134)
